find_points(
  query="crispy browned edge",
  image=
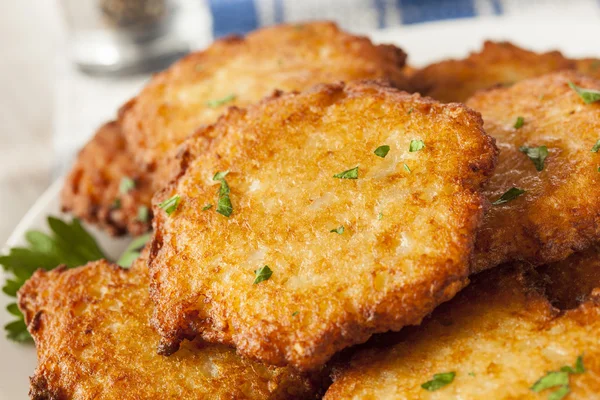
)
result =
(352, 332)
(92, 185)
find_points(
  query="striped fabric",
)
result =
(241, 16)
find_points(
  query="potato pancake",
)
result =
(497, 64)
(194, 92)
(318, 219)
(93, 338)
(495, 340)
(547, 136)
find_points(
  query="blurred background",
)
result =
(67, 65)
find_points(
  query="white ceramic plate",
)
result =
(424, 43)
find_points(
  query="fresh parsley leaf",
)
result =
(380, 216)
(406, 168)
(126, 185)
(587, 95)
(439, 381)
(579, 368)
(551, 379)
(207, 207)
(338, 230)
(133, 251)
(67, 244)
(224, 206)
(416, 145)
(170, 204)
(536, 154)
(348, 174)
(143, 214)
(509, 195)
(219, 102)
(262, 274)
(382, 151)
(410, 110)
(596, 147)
(559, 393)
(295, 313)
(519, 123)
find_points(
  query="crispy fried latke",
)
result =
(91, 189)
(497, 64)
(589, 66)
(499, 336)
(199, 88)
(559, 213)
(408, 222)
(93, 338)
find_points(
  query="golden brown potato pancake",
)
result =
(93, 338)
(589, 66)
(499, 336)
(497, 64)
(349, 257)
(91, 190)
(560, 211)
(199, 88)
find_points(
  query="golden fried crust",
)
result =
(589, 66)
(91, 190)
(93, 340)
(500, 335)
(285, 57)
(407, 235)
(559, 213)
(498, 63)
(177, 101)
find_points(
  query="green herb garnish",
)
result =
(349, 174)
(338, 230)
(133, 251)
(416, 145)
(382, 151)
(519, 123)
(587, 95)
(410, 110)
(224, 206)
(439, 381)
(143, 214)
(295, 313)
(219, 102)
(116, 204)
(536, 154)
(262, 274)
(559, 379)
(68, 244)
(509, 195)
(207, 207)
(170, 205)
(126, 185)
(596, 147)
(380, 216)
(406, 168)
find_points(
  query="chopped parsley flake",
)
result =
(519, 123)
(262, 274)
(171, 204)
(596, 147)
(536, 154)
(295, 313)
(406, 168)
(416, 145)
(207, 207)
(410, 110)
(224, 206)
(126, 185)
(382, 151)
(559, 379)
(116, 204)
(219, 102)
(338, 230)
(439, 381)
(587, 95)
(509, 195)
(349, 174)
(143, 214)
(380, 216)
